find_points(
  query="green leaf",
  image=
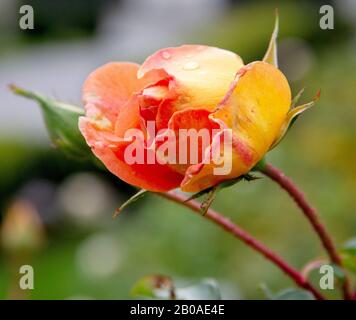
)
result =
(348, 255)
(349, 262)
(267, 291)
(293, 294)
(271, 55)
(287, 294)
(350, 246)
(62, 123)
(154, 287)
(131, 200)
(206, 289)
(339, 273)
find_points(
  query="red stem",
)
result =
(242, 235)
(311, 214)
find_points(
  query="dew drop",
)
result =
(99, 144)
(166, 55)
(191, 65)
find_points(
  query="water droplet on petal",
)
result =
(191, 65)
(166, 55)
(99, 144)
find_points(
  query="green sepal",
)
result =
(210, 193)
(292, 115)
(61, 120)
(297, 98)
(131, 200)
(260, 165)
(271, 55)
(209, 199)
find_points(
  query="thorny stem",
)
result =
(245, 237)
(311, 214)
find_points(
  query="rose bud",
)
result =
(62, 123)
(246, 109)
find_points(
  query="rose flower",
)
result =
(188, 87)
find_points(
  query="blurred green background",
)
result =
(77, 251)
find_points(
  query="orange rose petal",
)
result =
(237, 156)
(110, 150)
(156, 102)
(110, 87)
(128, 118)
(191, 126)
(111, 109)
(257, 107)
(202, 74)
(254, 108)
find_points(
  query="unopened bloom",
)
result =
(62, 123)
(188, 87)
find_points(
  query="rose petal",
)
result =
(201, 75)
(110, 149)
(235, 159)
(255, 108)
(112, 109)
(193, 134)
(110, 87)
